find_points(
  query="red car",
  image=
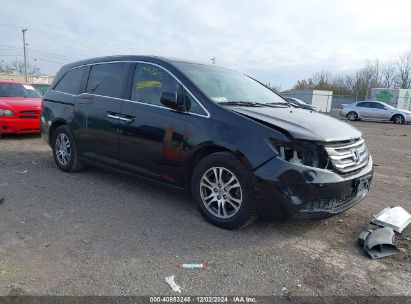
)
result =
(20, 108)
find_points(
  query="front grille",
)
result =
(31, 114)
(348, 157)
(329, 204)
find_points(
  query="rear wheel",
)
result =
(222, 187)
(352, 116)
(65, 150)
(398, 119)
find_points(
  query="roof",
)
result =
(154, 59)
(15, 82)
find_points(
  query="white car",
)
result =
(374, 110)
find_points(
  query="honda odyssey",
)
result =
(238, 147)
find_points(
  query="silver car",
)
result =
(374, 110)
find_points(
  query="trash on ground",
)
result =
(173, 285)
(192, 266)
(22, 171)
(378, 243)
(396, 218)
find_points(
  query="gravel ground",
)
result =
(97, 233)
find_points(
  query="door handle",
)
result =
(125, 119)
(113, 116)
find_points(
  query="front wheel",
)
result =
(65, 150)
(352, 116)
(222, 187)
(398, 119)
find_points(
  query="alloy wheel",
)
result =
(399, 119)
(352, 116)
(63, 149)
(221, 192)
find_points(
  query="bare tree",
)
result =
(15, 67)
(388, 74)
(403, 79)
(18, 67)
(372, 75)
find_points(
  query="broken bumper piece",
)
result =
(379, 243)
(396, 218)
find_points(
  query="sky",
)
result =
(276, 42)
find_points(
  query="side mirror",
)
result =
(169, 99)
(172, 100)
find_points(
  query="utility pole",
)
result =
(25, 54)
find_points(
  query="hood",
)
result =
(302, 124)
(405, 111)
(20, 103)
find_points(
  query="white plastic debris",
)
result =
(396, 218)
(22, 171)
(170, 281)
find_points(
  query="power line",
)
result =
(61, 36)
(52, 54)
(47, 60)
(10, 55)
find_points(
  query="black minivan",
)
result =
(237, 146)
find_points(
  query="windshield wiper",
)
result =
(285, 104)
(241, 103)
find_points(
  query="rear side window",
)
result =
(363, 105)
(107, 79)
(71, 81)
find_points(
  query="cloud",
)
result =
(274, 41)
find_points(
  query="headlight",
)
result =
(6, 113)
(302, 153)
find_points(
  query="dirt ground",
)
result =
(97, 233)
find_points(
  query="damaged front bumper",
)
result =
(295, 191)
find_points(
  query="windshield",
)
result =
(18, 90)
(225, 86)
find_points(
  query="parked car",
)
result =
(20, 108)
(301, 104)
(236, 145)
(374, 110)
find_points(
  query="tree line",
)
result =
(374, 74)
(17, 67)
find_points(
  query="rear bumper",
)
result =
(10, 125)
(292, 191)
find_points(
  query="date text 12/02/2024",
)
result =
(202, 299)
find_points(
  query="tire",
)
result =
(352, 116)
(218, 204)
(398, 119)
(65, 150)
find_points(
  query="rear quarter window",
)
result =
(363, 104)
(71, 81)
